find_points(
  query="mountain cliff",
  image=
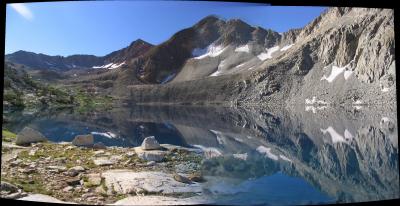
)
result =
(59, 63)
(344, 56)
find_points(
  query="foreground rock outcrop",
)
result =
(28, 136)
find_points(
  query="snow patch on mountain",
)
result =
(114, 66)
(199, 52)
(263, 56)
(215, 74)
(244, 48)
(347, 74)
(109, 66)
(212, 51)
(286, 47)
(336, 71)
(240, 65)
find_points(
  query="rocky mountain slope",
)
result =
(59, 63)
(20, 90)
(345, 56)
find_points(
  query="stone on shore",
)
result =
(28, 136)
(150, 143)
(83, 140)
(99, 145)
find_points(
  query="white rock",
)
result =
(103, 162)
(43, 198)
(126, 181)
(150, 143)
(77, 168)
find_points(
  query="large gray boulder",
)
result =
(83, 140)
(150, 143)
(28, 136)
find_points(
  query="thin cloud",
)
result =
(23, 10)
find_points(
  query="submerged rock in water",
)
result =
(150, 143)
(83, 140)
(28, 136)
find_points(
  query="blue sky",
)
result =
(101, 27)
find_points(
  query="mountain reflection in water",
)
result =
(257, 155)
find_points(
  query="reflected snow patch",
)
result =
(336, 137)
(267, 152)
(105, 134)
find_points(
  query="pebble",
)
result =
(68, 189)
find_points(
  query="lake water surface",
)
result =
(276, 157)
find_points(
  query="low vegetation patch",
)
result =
(8, 136)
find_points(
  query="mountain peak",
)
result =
(210, 19)
(139, 41)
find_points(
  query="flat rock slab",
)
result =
(103, 162)
(162, 200)
(43, 198)
(151, 155)
(127, 181)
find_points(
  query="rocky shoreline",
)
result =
(67, 173)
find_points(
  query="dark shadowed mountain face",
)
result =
(59, 63)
